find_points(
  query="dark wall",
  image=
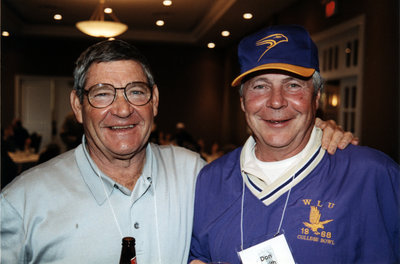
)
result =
(190, 81)
(381, 77)
(189, 78)
(34, 56)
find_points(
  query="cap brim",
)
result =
(302, 71)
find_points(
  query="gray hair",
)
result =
(318, 83)
(107, 51)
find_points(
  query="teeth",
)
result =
(122, 127)
(277, 122)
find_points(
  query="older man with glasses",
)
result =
(77, 207)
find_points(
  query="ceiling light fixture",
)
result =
(5, 34)
(247, 15)
(57, 17)
(96, 26)
(211, 45)
(167, 2)
(160, 23)
(108, 10)
(225, 33)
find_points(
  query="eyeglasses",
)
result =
(103, 94)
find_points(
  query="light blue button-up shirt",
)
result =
(58, 212)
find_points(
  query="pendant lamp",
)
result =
(96, 26)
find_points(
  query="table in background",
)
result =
(24, 159)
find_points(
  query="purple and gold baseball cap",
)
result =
(284, 47)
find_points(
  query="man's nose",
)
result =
(121, 105)
(276, 99)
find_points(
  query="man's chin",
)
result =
(121, 149)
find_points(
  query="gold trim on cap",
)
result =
(302, 71)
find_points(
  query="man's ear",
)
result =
(242, 103)
(76, 106)
(317, 99)
(155, 100)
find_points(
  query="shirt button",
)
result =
(136, 225)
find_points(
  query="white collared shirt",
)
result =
(269, 180)
(58, 212)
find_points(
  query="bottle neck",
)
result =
(128, 241)
(128, 253)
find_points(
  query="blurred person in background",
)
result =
(71, 132)
(20, 134)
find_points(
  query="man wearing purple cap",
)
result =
(76, 207)
(280, 198)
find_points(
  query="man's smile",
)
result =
(277, 121)
(122, 127)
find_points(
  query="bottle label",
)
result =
(133, 260)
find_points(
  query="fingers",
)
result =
(355, 141)
(334, 137)
(335, 140)
(330, 137)
(346, 140)
(318, 122)
(340, 139)
(325, 124)
(330, 124)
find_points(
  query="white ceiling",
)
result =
(186, 21)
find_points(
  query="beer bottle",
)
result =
(128, 253)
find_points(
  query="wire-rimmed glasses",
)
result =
(103, 94)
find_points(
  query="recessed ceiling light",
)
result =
(108, 10)
(160, 23)
(57, 17)
(211, 45)
(225, 33)
(167, 2)
(247, 15)
(5, 34)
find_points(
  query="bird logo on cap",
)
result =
(271, 41)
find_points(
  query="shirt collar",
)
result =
(101, 188)
(253, 175)
(249, 165)
(247, 162)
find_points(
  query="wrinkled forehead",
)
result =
(115, 68)
(102, 72)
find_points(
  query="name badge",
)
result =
(272, 251)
